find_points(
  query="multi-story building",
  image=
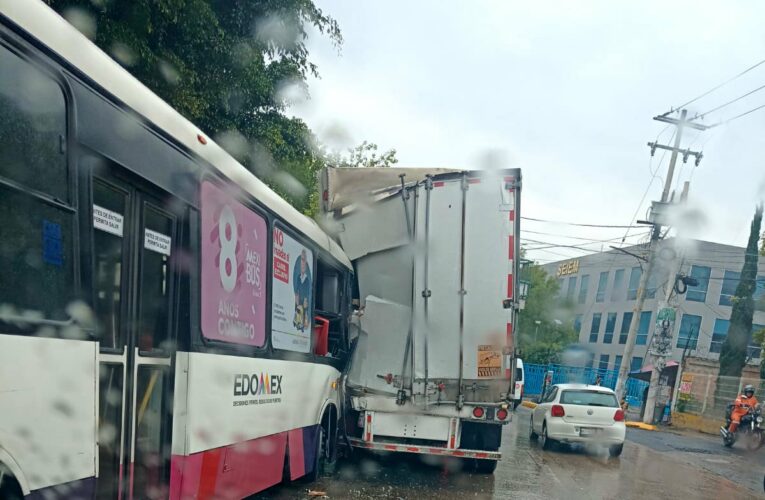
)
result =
(601, 290)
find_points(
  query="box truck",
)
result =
(436, 260)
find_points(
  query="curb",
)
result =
(528, 404)
(641, 425)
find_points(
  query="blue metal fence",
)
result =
(535, 376)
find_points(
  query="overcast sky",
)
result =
(564, 90)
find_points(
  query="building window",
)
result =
(617, 363)
(578, 324)
(634, 282)
(608, 335)
(719, 333)
(699, 293)
(650, 286)
(617, 291)
(595, 327)
(729, 284)
(625, 330)
(643, 328)
(602, 285)
(603, 365)
(636, 364)
(689, 331)
(583, 286)
(571, 288)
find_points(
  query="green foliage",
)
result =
(734, 350)
(543, 342)
(363, 155)
(224, 65)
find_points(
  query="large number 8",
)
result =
(227, 262)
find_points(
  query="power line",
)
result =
(702, 115)
(579, 224)
(725, 122)
(747, 70)
(581, 239)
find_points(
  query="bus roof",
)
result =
(60, 37)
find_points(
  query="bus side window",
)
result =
(37, 230)
(330, 291)
(156, 279)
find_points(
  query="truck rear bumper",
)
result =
(426, 450)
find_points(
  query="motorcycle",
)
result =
(751, 428)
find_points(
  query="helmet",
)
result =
(749, 390)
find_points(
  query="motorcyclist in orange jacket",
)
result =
(741, 407)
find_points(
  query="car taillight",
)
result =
(619, 416)
(557, 411)
(478, 412)
(501, 414)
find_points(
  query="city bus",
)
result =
(169, 326)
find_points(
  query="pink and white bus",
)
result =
(169, 326)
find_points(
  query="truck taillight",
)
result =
(557, 411)
(501, 414)
(478, 412)
(619, 416)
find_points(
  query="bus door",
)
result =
(134, 238)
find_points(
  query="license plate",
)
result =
(585, 431)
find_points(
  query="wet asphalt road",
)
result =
(653, 465)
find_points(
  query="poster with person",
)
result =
(291, 294)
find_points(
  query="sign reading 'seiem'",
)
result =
(570, 267)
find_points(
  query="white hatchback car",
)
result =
(579, 413)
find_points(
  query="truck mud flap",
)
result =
(426, 450)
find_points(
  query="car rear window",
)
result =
(588, 398)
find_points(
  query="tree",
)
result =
(362, 156)
(543, 342)
(733, 354)
(229, 66)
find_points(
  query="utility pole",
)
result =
(661, 347)
(657, 220)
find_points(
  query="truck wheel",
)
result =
(532, 435)
(516, 404)
(483, 437)
(485, 466)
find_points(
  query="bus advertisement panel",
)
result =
(234, 245)
(292, 308)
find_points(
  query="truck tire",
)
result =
(486, 466)
(483, 437)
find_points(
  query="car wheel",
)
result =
(532, 435)
(545, 441)
(615, 450)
